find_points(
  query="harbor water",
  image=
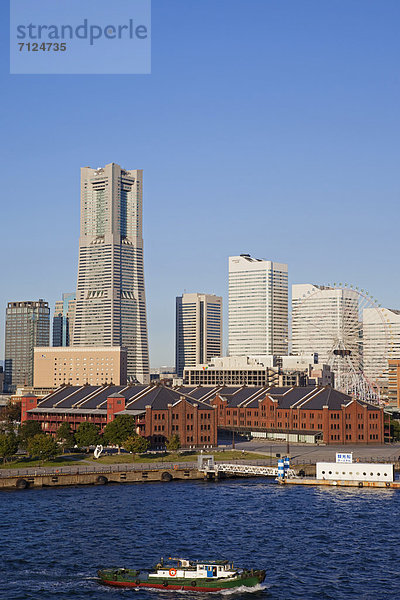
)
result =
(324, 543)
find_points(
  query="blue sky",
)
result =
(266, 127)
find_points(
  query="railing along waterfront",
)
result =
(85, 469)
(113, 468)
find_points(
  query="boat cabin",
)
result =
(217, 569)
(185, 568)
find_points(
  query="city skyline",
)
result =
(57, 303)
(300, 160)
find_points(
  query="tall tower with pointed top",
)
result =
(110, 297)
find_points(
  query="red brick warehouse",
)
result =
(196, 413)
(159, 412)
(322, 412)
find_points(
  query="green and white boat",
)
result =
(183, 574)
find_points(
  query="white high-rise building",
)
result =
(381, 341)
(198, 329)
(258, 306)
(323, 320)
(110, 298)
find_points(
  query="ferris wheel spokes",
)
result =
(332, 324)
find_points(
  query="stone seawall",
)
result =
(99, 474)
(32, 480)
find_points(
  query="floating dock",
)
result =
(342, 483)
(346, 473)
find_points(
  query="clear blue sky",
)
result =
(266, 127)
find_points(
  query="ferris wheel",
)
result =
(349, 330)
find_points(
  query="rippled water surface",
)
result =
(313, 542)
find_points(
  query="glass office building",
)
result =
(27, 326)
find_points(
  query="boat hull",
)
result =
(199, 585)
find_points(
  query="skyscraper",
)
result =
(63, 320)
(381, 342)
(324, 319)
(258, 306)
(110, 298)
(27, 326)
(198, 329)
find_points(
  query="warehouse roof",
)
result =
(137, 397)
(94, 398)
